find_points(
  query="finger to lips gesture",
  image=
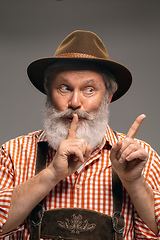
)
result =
(71, 152)
(73, 127)
(79, 150)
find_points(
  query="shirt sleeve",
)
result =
(17, 164)
(141, 229)
(6, 185)
(152, 177)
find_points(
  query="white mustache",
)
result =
(69, 114)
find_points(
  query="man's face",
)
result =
(83, 90)
(83, 93)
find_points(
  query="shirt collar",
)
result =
(42, 136)
(110, 138)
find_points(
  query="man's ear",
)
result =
(110, 98)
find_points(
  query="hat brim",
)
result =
(36, 71)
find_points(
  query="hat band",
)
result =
(76, 55)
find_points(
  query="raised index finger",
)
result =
(73, 127)
(135, 126)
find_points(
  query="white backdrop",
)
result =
(32, 29)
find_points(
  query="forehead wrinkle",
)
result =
(84, 79)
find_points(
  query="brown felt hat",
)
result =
(85, 46)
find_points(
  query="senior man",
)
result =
(80, 81)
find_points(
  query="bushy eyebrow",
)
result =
(88, 81)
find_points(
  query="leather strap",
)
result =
(36, 215)
(117, 219)
(41, 156)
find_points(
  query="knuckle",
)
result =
(132, 147)
(62, 144)
(142, 154)
(82, 142)
(128, 140)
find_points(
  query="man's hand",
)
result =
(71, 153)
(128, 157)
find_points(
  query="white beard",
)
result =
(92, 128)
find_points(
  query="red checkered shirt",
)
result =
(89, 187)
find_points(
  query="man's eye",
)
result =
(64, 89)
(89, 90)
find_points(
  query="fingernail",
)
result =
(120, 160)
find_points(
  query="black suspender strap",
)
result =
(118, 218)
(36, 215)
(41, 156)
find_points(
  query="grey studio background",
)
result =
(32, 29)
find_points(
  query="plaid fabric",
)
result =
(89, 187)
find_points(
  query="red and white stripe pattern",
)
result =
(89, 187)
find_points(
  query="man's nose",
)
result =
(75, 101)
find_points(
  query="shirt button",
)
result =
(78, 186)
